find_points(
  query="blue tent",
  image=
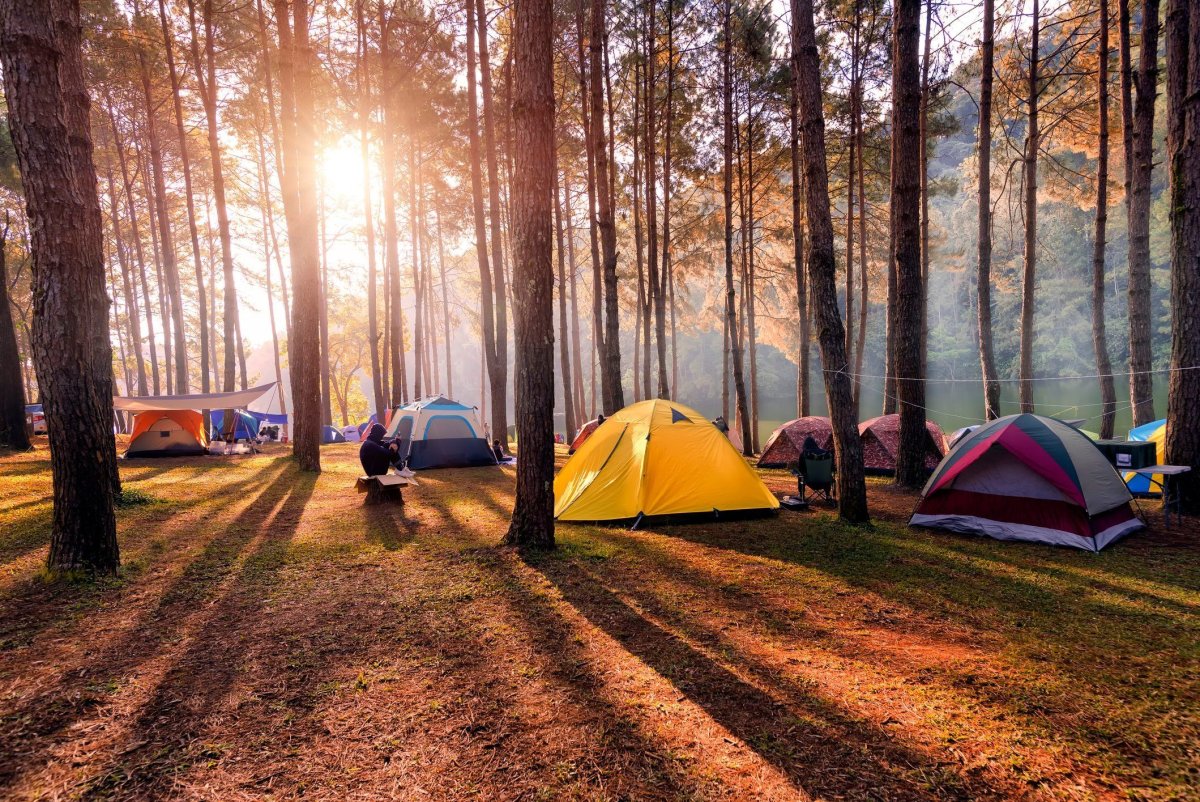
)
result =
(365, 425)
(331, 435)
(271, 418)
(437, 432)
(1140, 484)
(245, 425)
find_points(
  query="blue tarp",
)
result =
(246, 427)
(269, 417)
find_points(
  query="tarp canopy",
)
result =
(652, 458)
(1026, 477)
(236, 400)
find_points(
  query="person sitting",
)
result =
(498, 450)
(377, 454)
(811, 448)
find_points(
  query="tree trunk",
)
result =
(564, 343)
(1183, 156)
(802, 316)
(418, 342)
(437, 216)
(13, 432)
(364, 117)
(735, 344)
(1141, 328)
(497, 370)
(1029, 271)
(660, 323)
(610, 369)
(488, 320)
(576, 349)
(906, 206)
(852, 489)
(851, 142)
(1108, 393)
(264, 188)
(41, 59)
(206, 80)
(983, 286)
(533, 277)
(161, 217)
(131, 311)
(926, 89)
(295, 91)
(391, 234)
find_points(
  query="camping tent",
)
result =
(1026, 477)
(787, 441)
(245, 425)
(167, 433)
(881, 443)
(585, 431)
(1154, 432)
(365, 425)
(437, 432)
(656, 457)
(331, 435)
(351, 434)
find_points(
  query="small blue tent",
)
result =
(331, 435)
(365, 425)
(437, 432)
(245, 425)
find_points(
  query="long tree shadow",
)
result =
(26, 732)
(815, 744)
(162, 739)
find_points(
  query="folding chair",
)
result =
(818, 476)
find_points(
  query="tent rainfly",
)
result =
(654, 458)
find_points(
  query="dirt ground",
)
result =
(270, 637)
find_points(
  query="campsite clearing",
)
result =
(269, 636)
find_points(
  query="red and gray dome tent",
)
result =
(1026, 477)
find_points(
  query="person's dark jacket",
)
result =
(374, 453)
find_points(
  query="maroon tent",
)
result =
(881, 443)
(787, 441)
(585, 432)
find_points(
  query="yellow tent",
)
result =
(656, 458)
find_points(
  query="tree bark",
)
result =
(162, 219)
(852, 489)
(193, 227)
(906, 206)
(666, 386)
(610, 369)
(926, 90)
(1029, 269)
(533, 278)
(735, 345)
(564, 343)
(983, 287)
(364, 118)
(295, 90)
(1145, 81)
(131, 310)
(487, 296)
(391, 234)
(41, 59)
(206, 79)
(802, 335)
(13, 432)
(1183, 157)
(499, 373)
(1108, 393)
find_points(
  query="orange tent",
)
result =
(167, 433)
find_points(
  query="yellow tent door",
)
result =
(656, 458)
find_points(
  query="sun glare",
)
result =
(342, 172)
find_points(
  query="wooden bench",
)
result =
(382, 489)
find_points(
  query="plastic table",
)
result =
(1171, 501)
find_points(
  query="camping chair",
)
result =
(818, 475)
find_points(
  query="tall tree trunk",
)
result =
(487, 296)
(852, 142)
(323, 299)
(641, 320)
(499, 372)
(1108, 393)
(206, 80)
(161, 217)
(926, 90)
(1141, 329)
(863, 277)
(1029, 271)
(193, 228)
(906, 203)
(264, 194)
(131, 311)
(802, 317)
(576, 349)
(983, 279)
(437, 216)
(13, 432)
(564, 343)
(533, 277)
(391, 234)
(299, 145)
(364, 116)
(1183, 156)
(852, 488)
(41, 59)
(739, 381)
(660, 333)
(418, 289)
(656, 297)
(610, 368)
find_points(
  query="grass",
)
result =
(271, 637)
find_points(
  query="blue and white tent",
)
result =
(436, 432)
